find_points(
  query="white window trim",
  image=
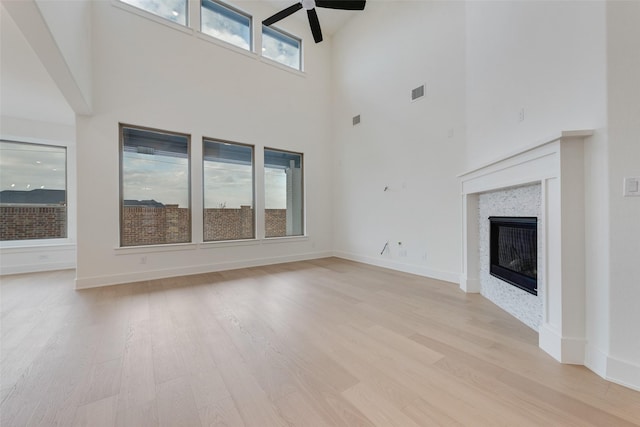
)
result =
(226, 45)
(71, 197)
(252, 25)
(122, 126)
(187, 29)
(300, 70)
(233, 242)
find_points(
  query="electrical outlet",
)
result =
(521, 115)
(631, 186)
(143, 260)
(402, 253)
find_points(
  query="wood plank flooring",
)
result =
(319, 343)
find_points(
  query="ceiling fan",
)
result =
(310, 7)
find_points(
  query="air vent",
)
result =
(417, 93)
(356, 120)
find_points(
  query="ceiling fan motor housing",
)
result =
(308, 4)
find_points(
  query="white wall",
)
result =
(154, 75)
(623, 77)
(413, 148)
(546, 57)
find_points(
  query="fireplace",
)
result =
(514, 251)
(557, 165)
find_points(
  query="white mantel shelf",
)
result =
(557, 163)
(552, 138)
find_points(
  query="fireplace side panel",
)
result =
(516, 201)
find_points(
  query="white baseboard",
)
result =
(115, 279)
(596, 360)
(36, 268)
(406, 268)
(612, 369)
(569, 350)
(470, 286)
(623, 372)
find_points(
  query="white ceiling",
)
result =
(26, 88)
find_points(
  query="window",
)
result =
(33, 191)
(281, 47)
(173, 10)
(154, 187)
(228, 191)
(225, 23)
(284, 210)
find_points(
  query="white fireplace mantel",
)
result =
(557, 163)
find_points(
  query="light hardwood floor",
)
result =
(319, 343)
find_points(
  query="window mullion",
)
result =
(259, 192)
(195, 15)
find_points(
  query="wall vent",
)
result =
(356, 120)
(417, 93)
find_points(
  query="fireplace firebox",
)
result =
(514, 251)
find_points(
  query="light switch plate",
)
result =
(631, 186)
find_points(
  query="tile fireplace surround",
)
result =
(557, 164)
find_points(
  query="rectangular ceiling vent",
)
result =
(417, 93)
(356, 120)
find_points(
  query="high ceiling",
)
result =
(28, 91)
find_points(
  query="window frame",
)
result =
(231, 9)
(121, 127)
(253, 190)
(50, 240)
(164, 20)
(283, 35)
(303, 195)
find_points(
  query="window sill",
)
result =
(228, 243)
(218, 42)
(26, 246)
(126, 250)
(283, 67)
(175, 247)
(285, 239)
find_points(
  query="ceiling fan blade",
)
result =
(315, 25)
(282, 14)
(341, 4)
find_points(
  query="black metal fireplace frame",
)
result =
(522, 281)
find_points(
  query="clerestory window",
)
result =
(281, 47)
(226, 23)
(172, 10)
